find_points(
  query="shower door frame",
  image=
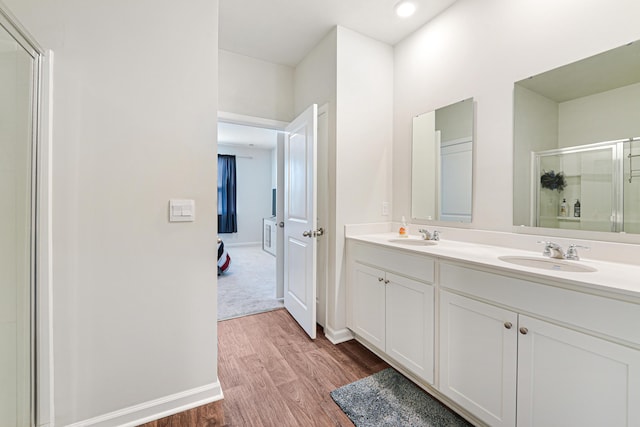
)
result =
(617, 181)
(40, 269)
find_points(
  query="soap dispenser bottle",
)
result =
(576, 209)
(563, 207)
(403, 229)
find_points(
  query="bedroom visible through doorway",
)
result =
(248, 284)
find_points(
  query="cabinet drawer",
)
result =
(416, 266)
(602, 315)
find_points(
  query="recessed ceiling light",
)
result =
(405, 8)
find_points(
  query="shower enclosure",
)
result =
(19, 74)
(602, 177)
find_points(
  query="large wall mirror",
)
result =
(441, 163)
(577, 145)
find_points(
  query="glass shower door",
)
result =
(589, 197)
(17, 76)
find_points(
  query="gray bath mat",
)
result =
(389, 399)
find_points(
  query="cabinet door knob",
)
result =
(386, 281)
(524, 331)
(380, 279)
(508, 325)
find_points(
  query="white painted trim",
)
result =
(44, 256)
(338, 336)
(241, 119)
(157, 408)
(233, 245)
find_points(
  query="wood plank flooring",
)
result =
(272, 374)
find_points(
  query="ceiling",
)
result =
(284, 31)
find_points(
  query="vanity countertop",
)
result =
(613, 279)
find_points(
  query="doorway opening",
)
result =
(249, 283)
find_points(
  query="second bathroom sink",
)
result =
(548, 264)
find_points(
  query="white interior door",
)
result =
(300, 217)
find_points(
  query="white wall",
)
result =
(601, 117)
(134, 125)
(253, 87)
(536, 129)
(253, 192)
(479, 49)
(364, 130)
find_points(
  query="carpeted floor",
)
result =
(249, 285)
(388, 399)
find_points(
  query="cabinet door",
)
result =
(567, 378)
(409, 331)
(368, 304)
(478, 358)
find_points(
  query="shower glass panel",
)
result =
(16, 231)
(588, 177)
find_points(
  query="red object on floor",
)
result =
(224, 260)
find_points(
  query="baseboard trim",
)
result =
(338, 336)
(157, 408)
(232, 244)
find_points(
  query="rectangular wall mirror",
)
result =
(577, 145)
(441, 163)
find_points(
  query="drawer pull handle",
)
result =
(508, 325)
(524, 331)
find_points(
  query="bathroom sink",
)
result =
(413, 242)
(548, 264)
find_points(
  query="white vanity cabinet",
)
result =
(390, 299)
(478, 358)
(565, 359)
(368, 304)
(570, 378)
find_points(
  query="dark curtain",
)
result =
(227, 218)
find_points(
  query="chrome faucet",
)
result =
(572, 252)
(426, 235)
(554, 250)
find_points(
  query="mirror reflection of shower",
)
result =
(593, 187)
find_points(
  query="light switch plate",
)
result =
(181, 210)
(385, 208)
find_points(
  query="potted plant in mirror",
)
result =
(553, 181)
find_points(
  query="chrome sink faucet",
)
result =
(572, 252)
(554, 250)
(426, 235)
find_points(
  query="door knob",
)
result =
(307, 234)
(281, 224)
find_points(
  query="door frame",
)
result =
(41, 306)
